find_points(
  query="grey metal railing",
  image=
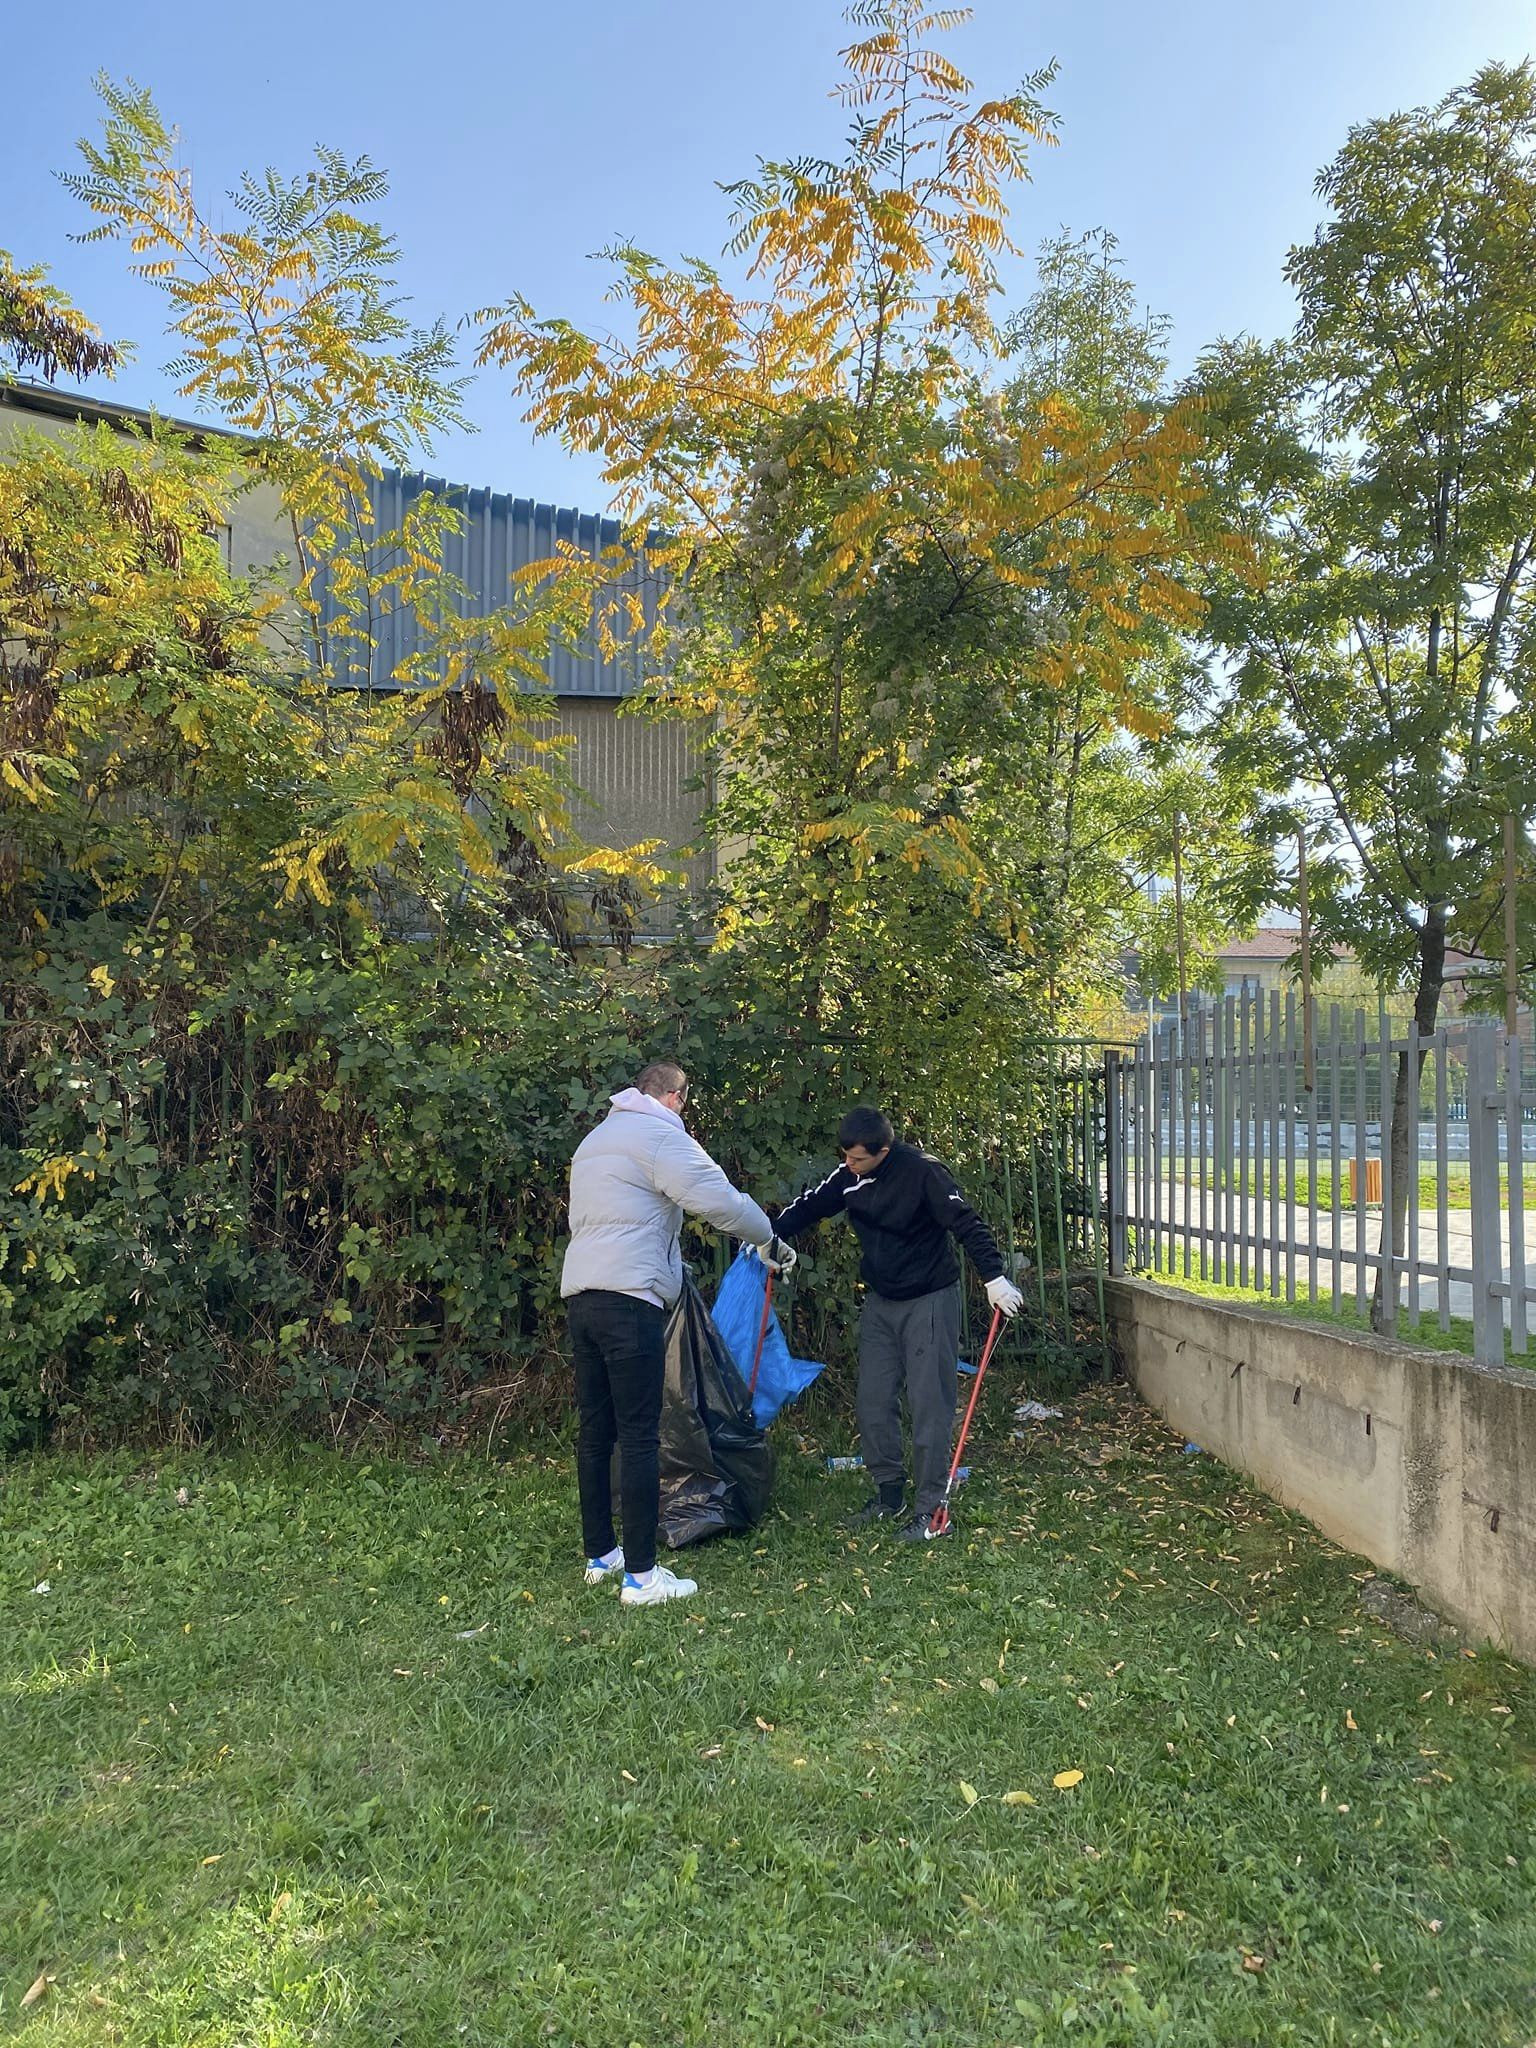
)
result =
(1251, 1144)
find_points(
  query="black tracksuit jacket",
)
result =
(905, 1213)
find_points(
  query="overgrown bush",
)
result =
(326, 1190)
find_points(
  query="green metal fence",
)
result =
(1028, 1153)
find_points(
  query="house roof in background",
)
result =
(22, 394)
(1269, 942)
(1279, 943)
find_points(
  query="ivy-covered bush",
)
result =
(325, 1189)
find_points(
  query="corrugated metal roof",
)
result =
(500, 536)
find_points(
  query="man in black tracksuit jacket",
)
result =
(905, 1206)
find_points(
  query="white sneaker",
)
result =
(661, 1585)
(597, 1571)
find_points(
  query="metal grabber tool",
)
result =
(938, 1521)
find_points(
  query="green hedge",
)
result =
(328, 1192)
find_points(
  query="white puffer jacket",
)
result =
(631, 1181)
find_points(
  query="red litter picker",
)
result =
(762, 1332)
(938, 1521)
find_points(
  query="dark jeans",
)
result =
(618, 1347)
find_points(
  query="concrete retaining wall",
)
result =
(1419, 1460)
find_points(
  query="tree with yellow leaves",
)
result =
(177, 736)
(878, 566)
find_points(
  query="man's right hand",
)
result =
(776, 1255)
(1002, 1293)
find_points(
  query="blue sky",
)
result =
(521, 137)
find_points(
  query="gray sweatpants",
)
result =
(916, 1345)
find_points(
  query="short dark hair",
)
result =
(868, 1127)
(660, 1078)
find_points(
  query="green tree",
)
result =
(1383, 466)
(862, 531)
(1115, 782)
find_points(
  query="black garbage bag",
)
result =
(716, 1464)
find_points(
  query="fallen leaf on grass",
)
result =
(1350, 1722)
(280, 1906)
(1018, 1799)
(967, 1793)
(35, 1991)
(715, 1749)
(766, 1726)
(211, 1859)
(629, 1777)
(1065, 1780)
(1253, 1964)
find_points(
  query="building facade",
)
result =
(641, 779)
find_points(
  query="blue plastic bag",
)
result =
(738, 1315)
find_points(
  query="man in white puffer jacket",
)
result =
(632, 1180)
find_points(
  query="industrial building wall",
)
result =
(635, 771)
(501, 536)
(637, 774)
(258, 534)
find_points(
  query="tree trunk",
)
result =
(1405, 1108)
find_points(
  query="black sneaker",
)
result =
(920, 1530)
(880, 1507)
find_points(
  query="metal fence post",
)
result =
(1487, 1231)
(1114, 1160)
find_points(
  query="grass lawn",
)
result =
(337, 1754)
(1427, 1331)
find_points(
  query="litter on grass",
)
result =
(857, 1465)
(1036, 1411)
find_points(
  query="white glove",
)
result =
(1002, 1294)
(776, 1255)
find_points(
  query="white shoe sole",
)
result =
(651, 1596)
